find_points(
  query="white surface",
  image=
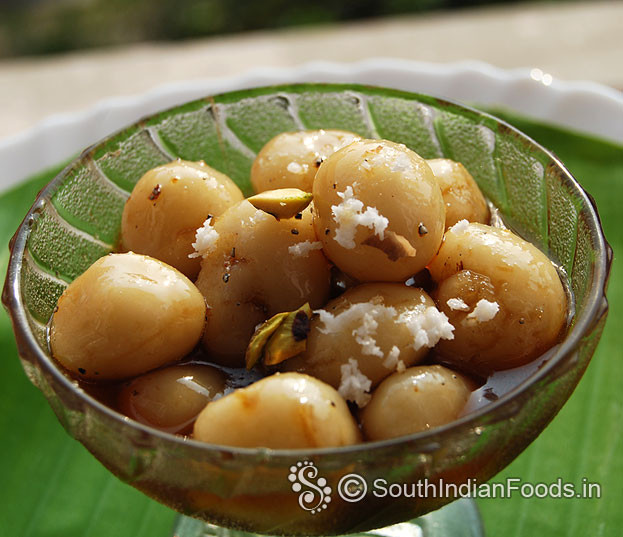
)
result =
(583, 106)
(568, 40)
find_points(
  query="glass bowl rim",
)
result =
(597, 305)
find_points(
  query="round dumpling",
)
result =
(378, 211)
(369, 332)
(283, 411)
(253, 267)
(415, 400)
(502, 295)
(126, 314)
(170, 398)
(463, 198)
(166, 207)
(291, 159)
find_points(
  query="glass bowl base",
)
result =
(457, 519)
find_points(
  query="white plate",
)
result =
(583, 106)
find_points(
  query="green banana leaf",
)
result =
(44, 472)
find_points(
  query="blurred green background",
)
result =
(35, 27)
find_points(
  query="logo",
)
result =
(315, 494)
(352, 488)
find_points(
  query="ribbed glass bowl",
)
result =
(76, 219)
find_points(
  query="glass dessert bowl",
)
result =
(76, 220)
